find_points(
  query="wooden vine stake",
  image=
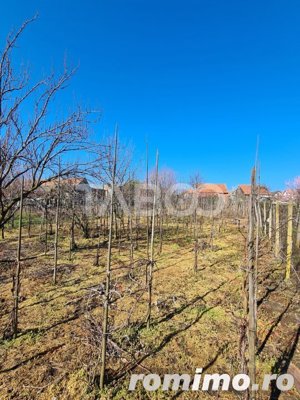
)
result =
(277, 230)
(151, 261)
(196, 247)
(270, 221)
(252, 285)
(108, 272)
(298, 228)
(56, 239)
(289, 241)
(16, 282)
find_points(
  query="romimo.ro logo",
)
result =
(212, 382)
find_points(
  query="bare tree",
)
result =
(166, 178)
(196, 179)
(30, 147)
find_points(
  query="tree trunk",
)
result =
(147, 210)
(29, 221)
(289, 241)
(270, 221)
(265, 218)
(56, 233)
(151, 261)
(298, 229)
(96, 263)
(252, 285)
(13, 222)
(131, 239)
(196, 247)
(72, 231)
(16, 285)
(46, 227)
(108, 274)
(160, 233)
(277, 230)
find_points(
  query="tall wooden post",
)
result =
(271, 221)
(108, 272)
(277, 229)
(160, 231)
(265, 218)
(151, 261)
(29, 221)
(72, 244)
(298, 228)
(147, 190)
(196, 247)
(289, 241)
(252, 285)
(16, 287)
(46, 225)
(56, 229)
(131, 239)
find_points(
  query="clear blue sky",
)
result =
(200, 79)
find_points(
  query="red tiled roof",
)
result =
(246, 189)
(74, 181)
(212, 188)
(65, 181)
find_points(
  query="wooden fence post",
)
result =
(252, 285)
(16, 281)
(151, 261)
(289, 241)
(56, 239)
(270, 221)
(106, 303)
(298, 228)
(277, 229)
(196, 247)
(265, 218)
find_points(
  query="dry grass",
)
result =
(196, 317)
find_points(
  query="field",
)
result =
(197, 316)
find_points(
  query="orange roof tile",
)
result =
(65, 181)
(212, 188)
(246, 189)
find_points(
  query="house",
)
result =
(287, 195)
(212, 197)
(212, 189)
(243, 192)
(85, 194)
(241, 195)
